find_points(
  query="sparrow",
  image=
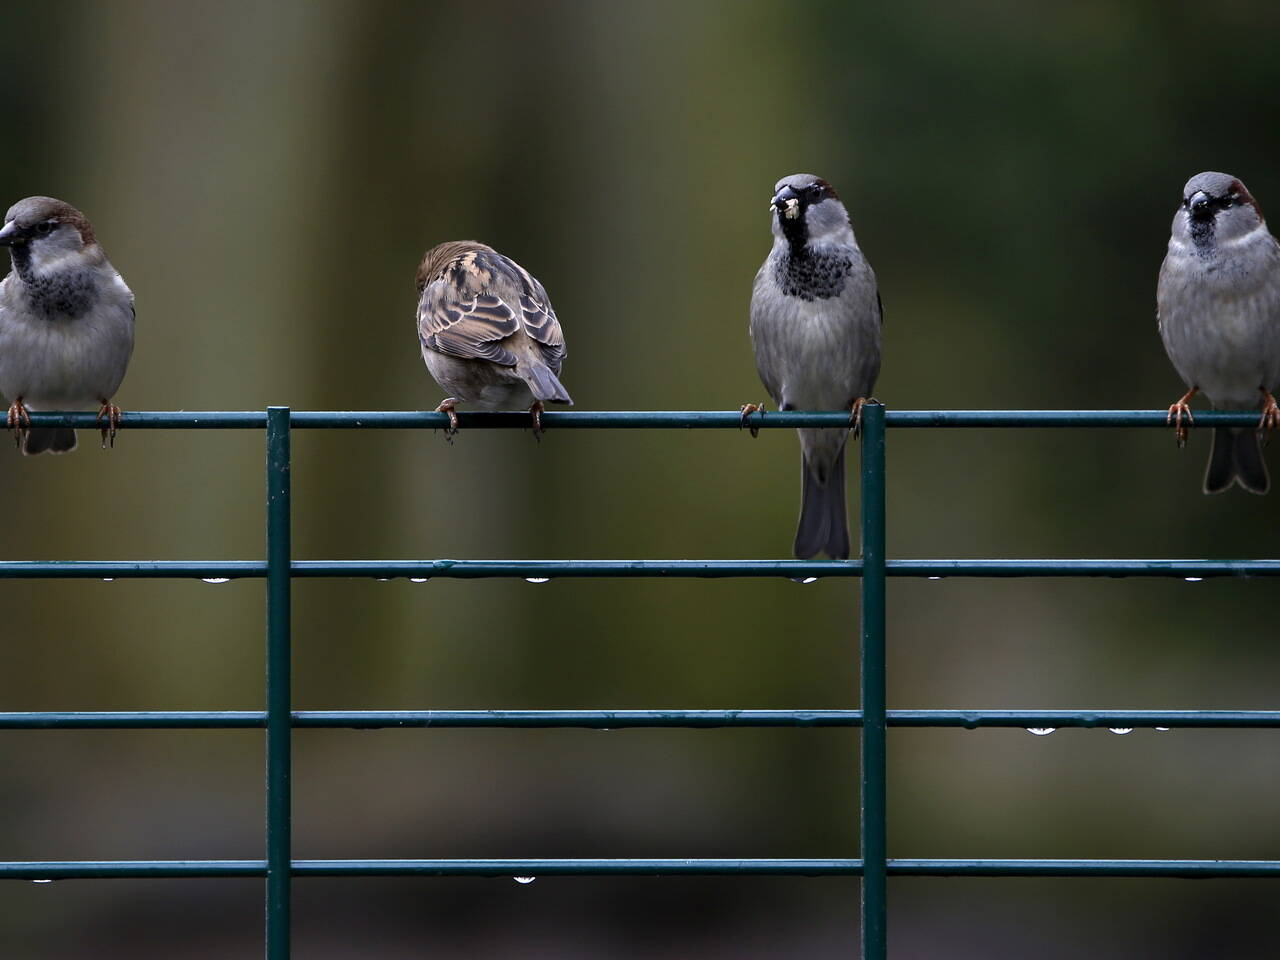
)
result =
(66, 323)
(815, 326)
(487, 331)
(1218, 311)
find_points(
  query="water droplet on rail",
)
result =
(524, 879)
(1162, 729)
(1120, 731)
(418, 579)
(934, 578)
(215, 579)
(107, 579)
(1193, 579)
(1040, 731)
(383, 579)
(804, 579)
(42, 881)
(534, 580)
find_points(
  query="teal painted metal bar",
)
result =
(638, 719)
(625, 569)
(279, 685)
(639, 419)
(874, 806)
(157, 869)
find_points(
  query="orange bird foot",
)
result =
(111, 414)
(746, 410)
(1177, 410)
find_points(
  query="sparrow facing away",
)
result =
(1218, 311)
(488, 333)
(66, 323)
(815, 326)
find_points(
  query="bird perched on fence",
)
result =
(815, 326)
(1218, 310)
(66, 323)
(488, 333)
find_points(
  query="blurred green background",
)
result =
(266, 177)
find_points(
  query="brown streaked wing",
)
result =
(540, 320)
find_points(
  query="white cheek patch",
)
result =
(792, 209)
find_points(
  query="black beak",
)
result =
(1200, 207)
(782, 196)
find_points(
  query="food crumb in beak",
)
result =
(792, 209)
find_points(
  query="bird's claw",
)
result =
(1270, 412)
(1180, 430)
(745, 411)
(535, 410)
(19, 420)
(855, 414)
(111, 413)
(446, 406)
(1177, 410)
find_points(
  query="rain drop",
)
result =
(418, 579)
(524, 879)
(42, 881)
(215, 579)
(1120, 731)
(533, 580)
(1194, 579)
(1162, 729)
(934, 578)
(107, 579)
(1040, 731)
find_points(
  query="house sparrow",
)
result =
(66, 323)
(815, 326)
(1218, 310)
(488, 333)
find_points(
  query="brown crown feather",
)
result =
(440, 256)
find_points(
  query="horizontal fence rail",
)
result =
(278, 569)
(635, 419)
(635, 719)
(712, 867)
(623, 569)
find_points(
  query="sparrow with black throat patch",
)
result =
(487, 332)
(815, 325)
(66, 323)
(1218, 311)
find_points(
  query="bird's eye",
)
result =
(45, 228)
(815, 189)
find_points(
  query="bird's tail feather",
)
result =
(48, 440)
(823, 521)
(545, 385)
(1236, 457)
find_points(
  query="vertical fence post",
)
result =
(874, 929)
(279, 682)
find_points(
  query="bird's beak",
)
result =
(11, 234)
(787, 203)
(1199, 206)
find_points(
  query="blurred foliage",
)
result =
(266, 176)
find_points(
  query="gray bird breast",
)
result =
(1220, 321)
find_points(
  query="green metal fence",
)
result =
(874, 866)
